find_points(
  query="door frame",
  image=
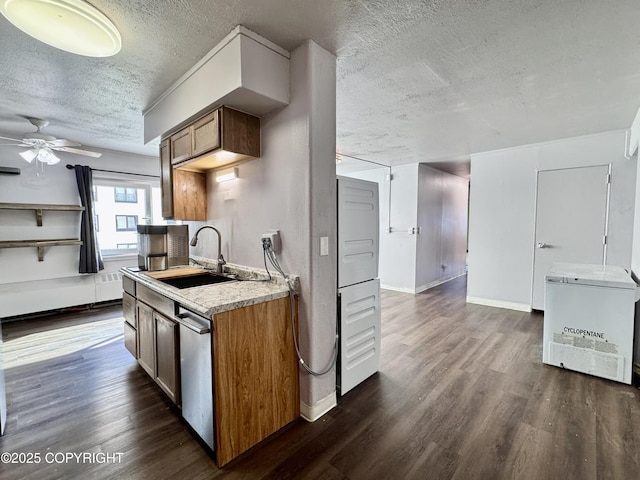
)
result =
(535, 218)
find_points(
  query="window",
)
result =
(96, 222)
(117, 220)
(126, 223)
(126, 195)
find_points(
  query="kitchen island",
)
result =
(242, 382)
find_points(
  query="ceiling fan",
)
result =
(41, 146)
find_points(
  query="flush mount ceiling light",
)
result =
(70, 25)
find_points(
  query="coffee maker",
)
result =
(162, 246)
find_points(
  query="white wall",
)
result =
(502, 203)
(291, 188)
(26, 285)
(430, 199)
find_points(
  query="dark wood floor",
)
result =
(462, 394)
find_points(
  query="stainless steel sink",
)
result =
(196, 280)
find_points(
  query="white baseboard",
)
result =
(311, 413)
(521, 307)
(422, 288)
(397, 289)
(435, 283)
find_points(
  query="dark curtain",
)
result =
(90, 258)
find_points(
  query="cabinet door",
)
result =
(130, 324)
(166, 355)
(189, 195)
(130, 339)
(205, 134)
(129, 309)
(166, 180)
(180, 145)
(146, 339)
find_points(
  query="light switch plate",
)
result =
(324, 246)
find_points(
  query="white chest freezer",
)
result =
(589, 320)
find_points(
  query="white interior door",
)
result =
(571, 212)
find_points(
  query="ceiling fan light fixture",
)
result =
(28, 155)
(70, 25)
(47, 156)
(41, 154)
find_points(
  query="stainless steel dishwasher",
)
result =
(196, 375)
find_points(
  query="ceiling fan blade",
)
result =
(19, 140)
(61, 142)
(79, 152)
(13, 144)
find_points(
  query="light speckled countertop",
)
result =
(252, 287)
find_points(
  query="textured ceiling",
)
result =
(417, 81)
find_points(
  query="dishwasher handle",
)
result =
(193, 322)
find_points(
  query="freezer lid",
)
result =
(586, 274)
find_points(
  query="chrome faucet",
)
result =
(221, 261)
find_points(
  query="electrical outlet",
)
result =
(274, 237)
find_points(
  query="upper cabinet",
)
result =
(220, 138)
(181, 145)
(205, 134)
(183, 193)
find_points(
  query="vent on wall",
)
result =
(9, 171)
(108, 286)
(109, 277)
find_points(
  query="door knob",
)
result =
(541, 245)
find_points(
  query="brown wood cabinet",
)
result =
(221, 138)
(146, 338)
(158, 340)
(130, 323)
(255, 376)
(167, 359)
(205, 134)
(129, 309)
(255, 368)
(189, 195)
(181, 145)
(184, 193)
(166, 179)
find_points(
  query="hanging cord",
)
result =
(264, 257)
(271, 255)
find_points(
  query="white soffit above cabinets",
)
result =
(244, 71)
